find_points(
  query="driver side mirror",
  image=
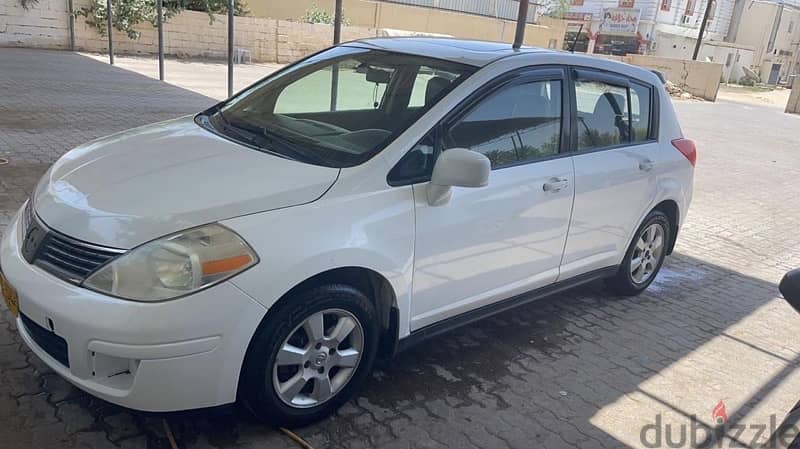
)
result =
(457, 167)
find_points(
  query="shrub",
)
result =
(747, 81)
(317, 15)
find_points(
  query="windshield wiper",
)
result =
(248, 136)
(274, 140)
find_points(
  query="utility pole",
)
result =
(230, 47)
(709, 5)
(110, 17)
(337, 23)
(159, 4)
(522, 20)
(71, 22)
(337, 39)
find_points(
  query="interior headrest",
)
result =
(435, 87)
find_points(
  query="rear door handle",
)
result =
(646, 165)
(555, 184)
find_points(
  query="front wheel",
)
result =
(644, 257)
(310, 356)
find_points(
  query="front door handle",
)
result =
(646, 165)
(555, 184)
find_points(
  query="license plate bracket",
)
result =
(10, 295)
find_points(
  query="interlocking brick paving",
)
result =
(581, 369)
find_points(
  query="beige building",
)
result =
(393, 16)
(733, 57)
(773, 30)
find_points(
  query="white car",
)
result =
(365, 198)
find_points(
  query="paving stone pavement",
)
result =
(581, 369)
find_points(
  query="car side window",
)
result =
(610, 115)
(429, 85)
(516, 124)
(602, 114)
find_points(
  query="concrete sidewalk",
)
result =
(208, 78)
(582, 369)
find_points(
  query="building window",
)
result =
(666, 5)
(626, 3)
(689, 8)
(712, 9)
(791, 27)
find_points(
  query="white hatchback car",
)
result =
(369, 196)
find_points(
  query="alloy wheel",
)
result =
(318, 358)
(647, 253)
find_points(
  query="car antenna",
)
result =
(575, 41)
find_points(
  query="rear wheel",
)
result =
(310, 356)
(644, 257)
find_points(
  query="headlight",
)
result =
(175, 265)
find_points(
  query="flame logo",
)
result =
(718, 414)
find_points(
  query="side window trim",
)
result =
(517, 76)
(521, 76)
(574, 73)
(604, 77)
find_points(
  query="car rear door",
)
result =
(614, 145)
(489, 243)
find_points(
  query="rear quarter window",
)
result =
(641, 112)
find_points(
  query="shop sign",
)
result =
(620, 20)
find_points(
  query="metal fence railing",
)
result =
(522, 11)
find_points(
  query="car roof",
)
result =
(465, 51)
(481, 53)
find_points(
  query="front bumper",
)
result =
(166, 356)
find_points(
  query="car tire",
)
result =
(313, 352)
(644, 257)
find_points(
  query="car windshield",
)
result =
(337, 108)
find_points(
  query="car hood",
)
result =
(138, 185)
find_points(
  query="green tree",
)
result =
(556, 8)
(129, 13)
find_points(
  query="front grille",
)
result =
(69, 259)
(27, 215)
(59, 255)
(52, 344)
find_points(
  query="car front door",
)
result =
(615, 154)
(486, 244)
